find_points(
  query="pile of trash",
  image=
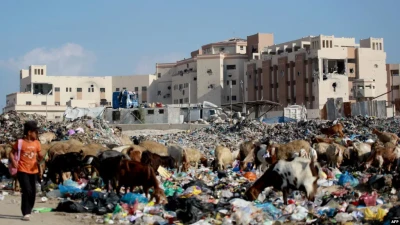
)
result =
(357, 128)
(86, 130)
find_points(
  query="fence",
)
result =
(336, 108)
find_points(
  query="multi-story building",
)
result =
(309, 70)
(50, 95)
(214, 73)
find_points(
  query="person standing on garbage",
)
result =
(27, 167)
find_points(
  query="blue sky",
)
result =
(124, 37)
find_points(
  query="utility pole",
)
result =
(230, 85)
(51, 91)
(392, 96)
(243, 98)
(189, 102)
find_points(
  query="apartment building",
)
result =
(213, 73)
(309, 70)
(50, 95)
(393, 77)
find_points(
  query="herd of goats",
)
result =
(292, 166)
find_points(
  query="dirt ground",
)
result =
(10, 213)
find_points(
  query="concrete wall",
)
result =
(152, 115)
(130, 127)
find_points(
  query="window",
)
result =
(233, 82)
(186, 100)
(66, 89)
(70, 89)
(323, 43)
(159, 93)
(373, 46)
(161, 111)
(88, 89)
(150, 112)
(175, 86)
(331, 43)
(181, 101)
(102, 90)
(57, 117)
(227, 98)
(57, 103)
(144, 88)
(180, 86)
(380, 46)
(241, 47)
(187, 65)
(227, 82)
(194, 78)
(28, 103)
(35, 71)
(44, 103)
(79, 90)
(57, 89)
(136, 89)
(351, 70)
(116, 89)
(175, 101)
(231, 67)
(233, 97)
(159, 75)
(186, 85)
(41, 71)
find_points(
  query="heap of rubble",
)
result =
(86, 130)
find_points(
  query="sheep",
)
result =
(386, 136)
(286, 151)
(223, 157)
(334, 154)
(134, 154)
(335, 129)
(135, 147)
(193, 156)
(298, 173)
(47, 138)
(155, 147)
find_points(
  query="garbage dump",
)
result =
(346, 194)
(85, 130)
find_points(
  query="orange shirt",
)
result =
(28, 156)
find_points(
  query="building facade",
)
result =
(214, 73)
(51, 95)
(309, 70)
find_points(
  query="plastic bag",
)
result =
(70, 183)
(193, 190)
(300, 214)
(347, 179)
(369, 199)
(343, 217)
(250, 176)
(54, 194)
(68, 190)
(130, 198)
(270, 209)
(369, 215)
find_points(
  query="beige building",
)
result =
(43, 94)
(312, 69)
(210, 72)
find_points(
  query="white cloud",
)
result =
(147, 64)
(69, 59)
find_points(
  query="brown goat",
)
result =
(331, 131)
(387, 155)
(386, 136)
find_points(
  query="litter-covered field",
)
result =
(356, 161)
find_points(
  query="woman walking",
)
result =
(24, 158)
